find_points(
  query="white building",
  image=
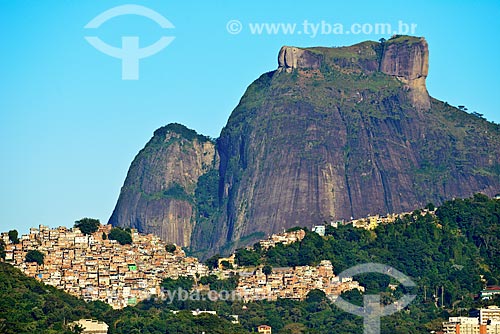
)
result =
(320, 229)
(489, 315)
(91, 326)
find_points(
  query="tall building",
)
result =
(484, 321)
(489, 315)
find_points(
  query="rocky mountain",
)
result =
(333, 133)
(158, 193)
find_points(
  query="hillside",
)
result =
(28, 306)
(446, 251)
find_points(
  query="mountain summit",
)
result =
(333, 133)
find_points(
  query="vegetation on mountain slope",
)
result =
(444, 254)
(28, 306)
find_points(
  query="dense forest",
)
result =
(28, 306)
(450, 253)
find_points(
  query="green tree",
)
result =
(267, 270)
(257, 247)
(245, 257)
(226, 265)
(120, 235)
(228, 284)
(208, 279)
(76, 329)
(88, 225)
(430, 207)
(13, 236)
(35, 256)
(213, 262)
(293, 328)
(354, 297)
(183, 283)
(2, 249)
(315, 296)
(170, 248)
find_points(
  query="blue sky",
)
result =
(70, 126)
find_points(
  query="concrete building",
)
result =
(264, 329)
(490, 292)
(230, 260)
(91, 326)
(294, 283)
(474, 325)
(284, 238)
(320, 229)
(489, 315)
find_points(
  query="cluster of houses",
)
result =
(293, 283)
(368, 223)
(94, 268)
(284, 282)
(371, 222)
(285, 238)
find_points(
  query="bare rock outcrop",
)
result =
(407, 58)
(290, 58)
(158, 194)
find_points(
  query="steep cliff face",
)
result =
(407, 58)
(158, 194)
(333, 133)
(344, 132)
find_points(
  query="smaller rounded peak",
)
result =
(181, 130)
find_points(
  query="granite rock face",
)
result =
(407, 58)
(337, 133)
(333, 133)
(404, 57)
(157, 196)
(290, 58)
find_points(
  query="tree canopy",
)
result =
(88, 225)
(170, 248)
(120, 235)
(13, 236)
(35, 256)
